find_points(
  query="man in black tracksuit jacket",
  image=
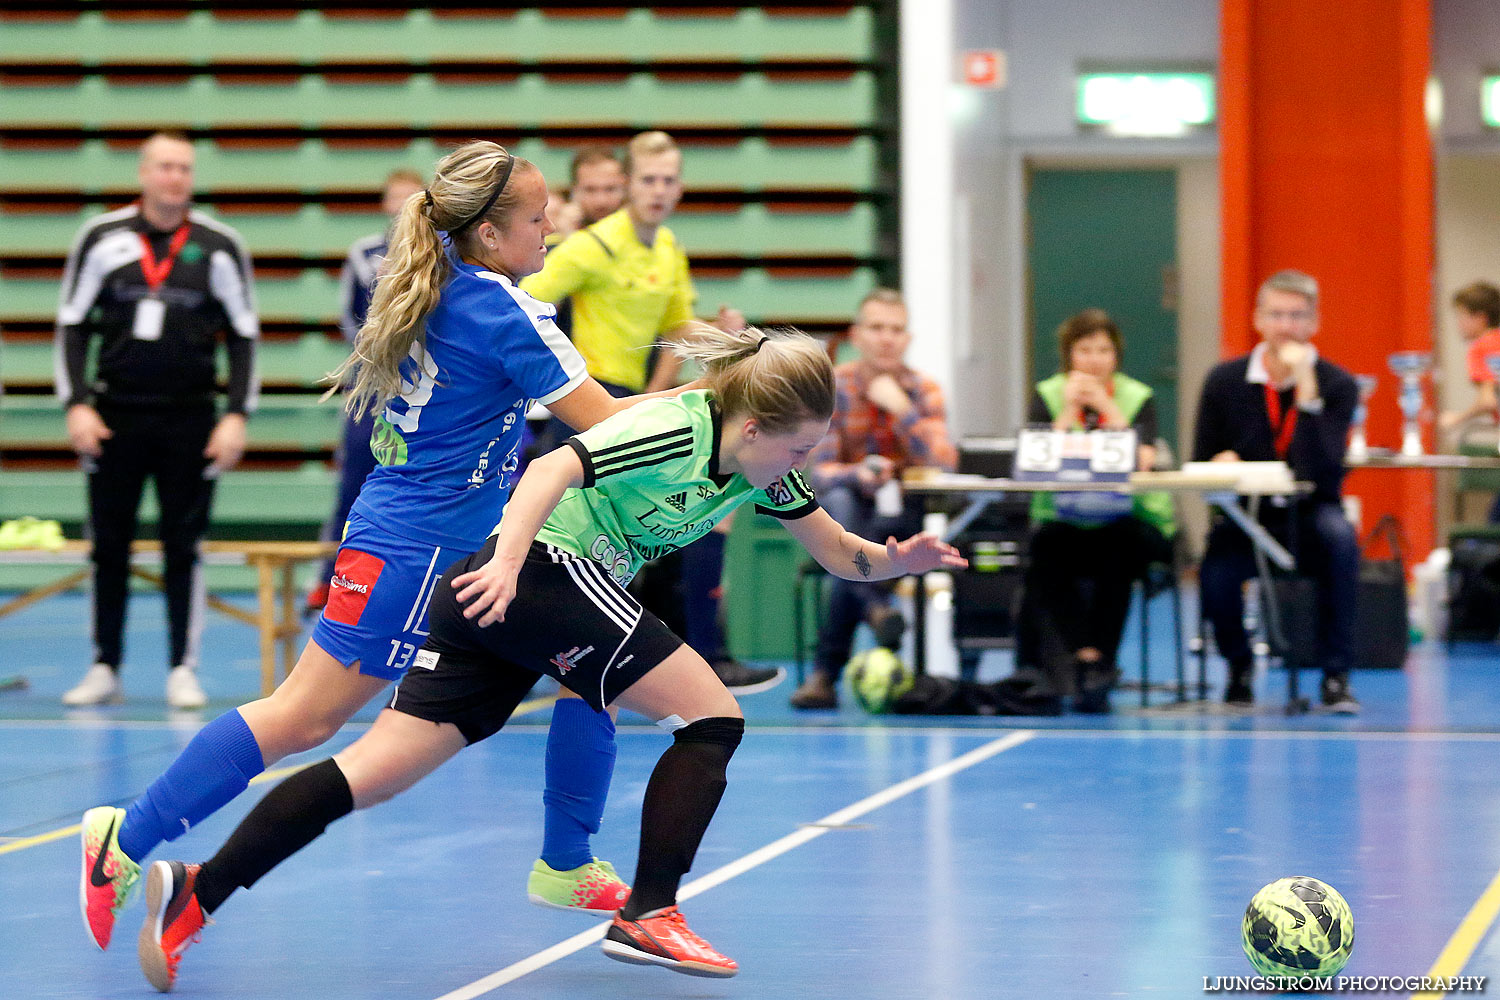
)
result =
(159, 284)
(1284, 402)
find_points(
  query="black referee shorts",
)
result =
(569, 620)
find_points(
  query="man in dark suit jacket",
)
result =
(1284, 402)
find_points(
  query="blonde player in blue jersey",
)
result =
(449, 358)
(546, 595)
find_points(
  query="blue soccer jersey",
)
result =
(449, 445)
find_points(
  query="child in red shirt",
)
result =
(1477, 307)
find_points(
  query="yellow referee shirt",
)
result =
(625, 294)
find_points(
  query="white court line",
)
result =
(1112, 733)
(975, 732)
(754, 859)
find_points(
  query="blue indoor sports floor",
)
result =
(852, 856)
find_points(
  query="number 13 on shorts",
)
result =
(401, 654)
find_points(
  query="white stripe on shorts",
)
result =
(587, 585)
(614, 593)
(423, 595)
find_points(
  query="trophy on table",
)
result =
(1410, 366)
(1359, 448)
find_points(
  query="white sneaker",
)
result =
(100, 686)
(183, 690)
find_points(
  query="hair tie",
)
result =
(427, 197)
(759, 344)
(510, 161)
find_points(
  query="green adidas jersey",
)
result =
(651, 484)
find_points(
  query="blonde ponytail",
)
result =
(471, 185)
(779, 377)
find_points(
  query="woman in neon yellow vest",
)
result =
(1082, 563)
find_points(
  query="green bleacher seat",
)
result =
(297, 498)
(26, 362)
(312, 295)
(770, 103)
(750, 230)
(766, 298)
(282, 422)
(281, 361)
(752, 129)
(314, 36)
(308, 230)
(299, 360)
(313, 165)
(527, 100)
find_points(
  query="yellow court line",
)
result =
(41, 838)
(1471, 930)
(68, 831)
(22, 844)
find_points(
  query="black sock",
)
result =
(293, 815)
(681, 797)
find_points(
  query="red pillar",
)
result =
(1326, 167)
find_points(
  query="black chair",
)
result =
(1285, 629)
(804, 647)
(1160, 578)
(809, 573)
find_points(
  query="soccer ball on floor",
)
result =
(1296, 927)
(877, 677)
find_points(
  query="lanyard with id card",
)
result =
(151, 311)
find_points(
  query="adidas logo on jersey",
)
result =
(679, 501)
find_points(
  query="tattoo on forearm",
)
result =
(862, 563)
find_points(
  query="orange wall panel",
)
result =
(1327, 168)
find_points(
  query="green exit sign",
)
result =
(1489, 100)
(1157, 103)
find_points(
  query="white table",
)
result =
(1222, 491)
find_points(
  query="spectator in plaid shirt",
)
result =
(887, 418)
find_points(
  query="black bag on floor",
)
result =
(941, 696)
(946, 696)
(1382, 630)
(1297, 617)
(1474, 589)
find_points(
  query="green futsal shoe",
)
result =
(108, 875)
(591, 888)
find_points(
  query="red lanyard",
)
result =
(156, 271)
(1282, 427)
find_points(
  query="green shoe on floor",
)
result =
(591, 888)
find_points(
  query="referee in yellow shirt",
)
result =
(629, 283)
(626, 275)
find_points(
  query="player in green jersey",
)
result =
(546, 596)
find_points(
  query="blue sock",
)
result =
(580, 763)
(215, 767)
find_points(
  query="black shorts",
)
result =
(569, 620)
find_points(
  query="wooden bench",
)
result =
(268, 559)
